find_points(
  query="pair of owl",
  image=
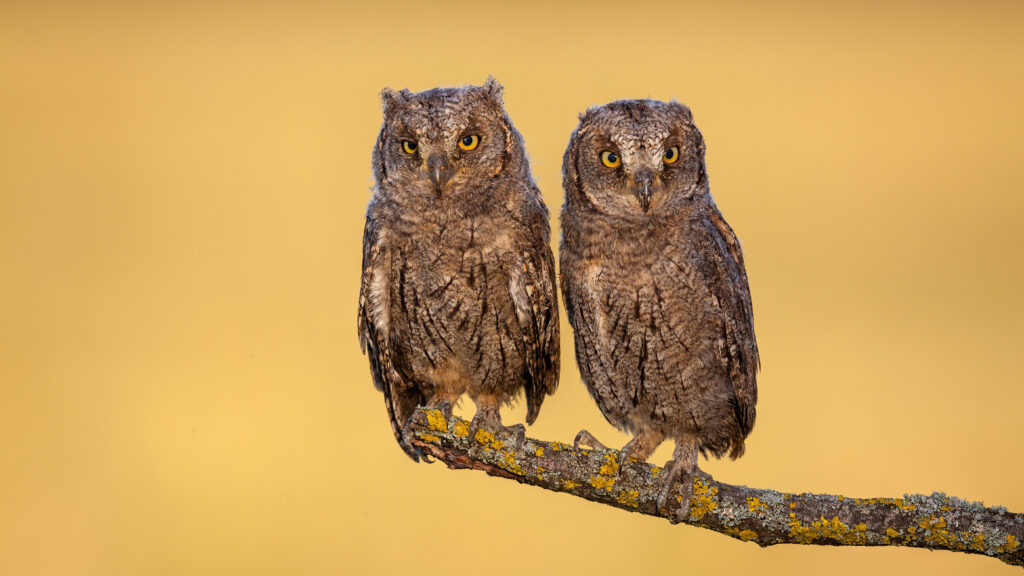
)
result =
(459, 291)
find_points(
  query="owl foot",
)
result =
(679, 484)
(585, 438)
(445, 407)
(639, 449)
(678, 481)
(518, 431)
(491, 420)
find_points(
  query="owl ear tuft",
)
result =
(682, 109)
(570, 173)
(585, 115)
(494, 89)
(391, 98)
(702, 176)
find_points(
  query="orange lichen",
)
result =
(754, 504)
(437, 421)
(484, 437)
(629, 498)
(977, 541)
(702, 500)
(898, 502)
(744, 535)
(1011, 545)
(510, 464)
(602, 482)
(935, 531)
(833, 529)
(611, 464)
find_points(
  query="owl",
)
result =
(655, 289)
(458, 290)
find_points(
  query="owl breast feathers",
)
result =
(458, 290)
(655, 286)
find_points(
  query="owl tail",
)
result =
(400, 400)
(737, 450)
(401, 404)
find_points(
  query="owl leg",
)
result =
(488, 415)
(639, 449)
(444, 402)
(679, 471)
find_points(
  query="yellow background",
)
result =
(182, 190)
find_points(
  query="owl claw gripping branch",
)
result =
(656, 291)
(458, 290)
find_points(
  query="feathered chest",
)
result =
(449, 259)
(648, 273)
(451, 293)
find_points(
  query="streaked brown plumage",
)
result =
(458, 287)
(655, 288)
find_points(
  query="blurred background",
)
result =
(182, 192)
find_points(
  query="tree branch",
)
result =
(767, 517)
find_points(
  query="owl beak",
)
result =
(440, 170)
(644, 188)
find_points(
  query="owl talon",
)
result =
(678, 482)
(680, 488)
(516, 430)
(667, 486)
(587, 439)
(446, 408)
(626, 457)
(490, 420)
(477, 423)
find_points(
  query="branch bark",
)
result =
(767, 517)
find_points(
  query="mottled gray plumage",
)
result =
(458, 287)
(655, 287)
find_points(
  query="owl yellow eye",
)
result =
(409, 146)
(610, 159)
(671, 155)
(469, 142)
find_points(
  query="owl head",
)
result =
(634, 158)
(434, 143)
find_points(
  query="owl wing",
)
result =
(732, 291)
(400, 398)
(534, 293)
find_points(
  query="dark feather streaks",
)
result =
(654, 283)
(663, 331)
(458, 292)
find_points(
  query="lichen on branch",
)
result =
(767, 517)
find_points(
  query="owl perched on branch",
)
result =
(458, 290)
(655, 289)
